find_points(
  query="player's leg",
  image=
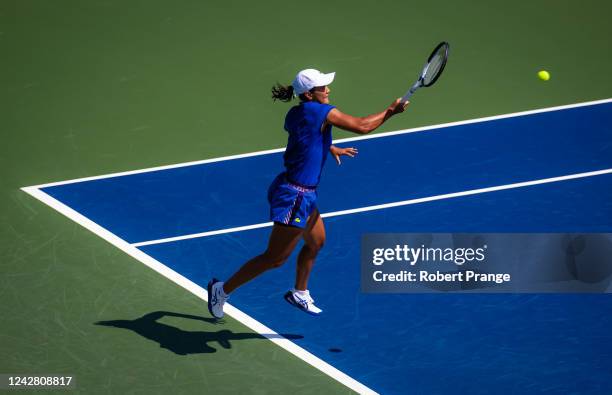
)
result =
(283, 240)
(314, 238)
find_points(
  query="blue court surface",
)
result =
(400, 343)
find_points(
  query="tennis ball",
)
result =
(543, 75)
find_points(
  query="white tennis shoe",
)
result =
(216, 298)
(303, 301)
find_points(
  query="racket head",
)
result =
(435, 64)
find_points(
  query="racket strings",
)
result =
(434, 68)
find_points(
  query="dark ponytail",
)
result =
(282, 93)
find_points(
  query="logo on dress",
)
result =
(298, 220)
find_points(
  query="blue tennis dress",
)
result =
(293, 193)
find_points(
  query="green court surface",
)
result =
(95, 87)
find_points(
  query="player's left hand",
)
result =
(338, 152)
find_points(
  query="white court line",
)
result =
(200, 292)
(204, 234)
(386, 205)
(372, 136)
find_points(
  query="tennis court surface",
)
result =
(546, 170)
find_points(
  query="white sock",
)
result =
(301, 293)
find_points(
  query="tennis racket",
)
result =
(431, 71)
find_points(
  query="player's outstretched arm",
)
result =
(364, 125)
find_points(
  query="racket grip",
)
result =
(407, 96)
(410, 92)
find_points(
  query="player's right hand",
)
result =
(398, 106)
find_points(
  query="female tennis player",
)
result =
(292, 195)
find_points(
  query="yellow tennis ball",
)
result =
(543, 75)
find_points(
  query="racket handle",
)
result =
(407, 95)
(410, 92)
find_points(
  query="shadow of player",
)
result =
(183, 342)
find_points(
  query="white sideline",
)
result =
(199, 291)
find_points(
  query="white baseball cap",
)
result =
(307, 79)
